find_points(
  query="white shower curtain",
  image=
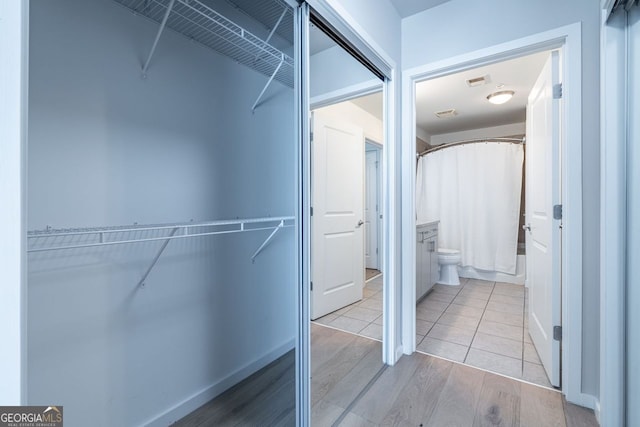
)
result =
(474, 190)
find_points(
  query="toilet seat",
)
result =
(446, 251)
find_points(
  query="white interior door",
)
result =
(543, 236)
(371, 210)
(337, 236)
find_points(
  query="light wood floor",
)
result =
(351, 387)
(266, 398)
(370, 273)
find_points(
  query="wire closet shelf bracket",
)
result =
(51, 239)
(202, 24)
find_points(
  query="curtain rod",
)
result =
(471, 141)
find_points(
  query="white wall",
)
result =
(334, 69)
(423, 135)
(488, 132)
(381, 23)
(457, 27)
(349, 112)
(107, 147)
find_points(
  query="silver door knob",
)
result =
(527, 227)
(360, 223)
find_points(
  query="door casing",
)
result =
(569, 39)
(346, 25)
(371, 147)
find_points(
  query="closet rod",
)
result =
(471, 141)
(104, 236)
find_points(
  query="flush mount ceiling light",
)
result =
(500, 97)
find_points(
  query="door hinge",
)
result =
(311, 137)
(557, 333)
(557, 211)
(311, 285)
(311, 210)
(557, 91)
(376, 251)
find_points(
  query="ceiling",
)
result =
(371, 103)
(474, 111)
(410, 7)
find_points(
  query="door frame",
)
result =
(569, 39)
(615, 253)
(350, 30)
(14, 78)
(379, 149)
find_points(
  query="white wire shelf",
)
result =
(76, 238)
(51, 239)
(204, 25)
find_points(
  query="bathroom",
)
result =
(474, 232)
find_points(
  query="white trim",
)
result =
(303, 231)
(14, 51)
(345, 94)
(203, 396)
(391, 318)
(569, 38)
(613, 216)
(597, 412)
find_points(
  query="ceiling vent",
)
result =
(479, 81)
(446, 113)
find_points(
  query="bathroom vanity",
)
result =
(426, 257)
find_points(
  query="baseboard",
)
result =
(596, 410)
(399, 352)
(583, 399)
(198, 399)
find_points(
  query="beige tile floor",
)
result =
(363, 317)
(479, 323)
(482, 324)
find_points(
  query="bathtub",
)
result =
(493, 276)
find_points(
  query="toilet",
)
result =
(448, 259)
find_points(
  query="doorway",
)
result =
(570, 253)
(340, 127)
(373, 216)
(480, 316)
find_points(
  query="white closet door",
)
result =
(633, 218)
(337, 188)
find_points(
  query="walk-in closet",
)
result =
(162, 179)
